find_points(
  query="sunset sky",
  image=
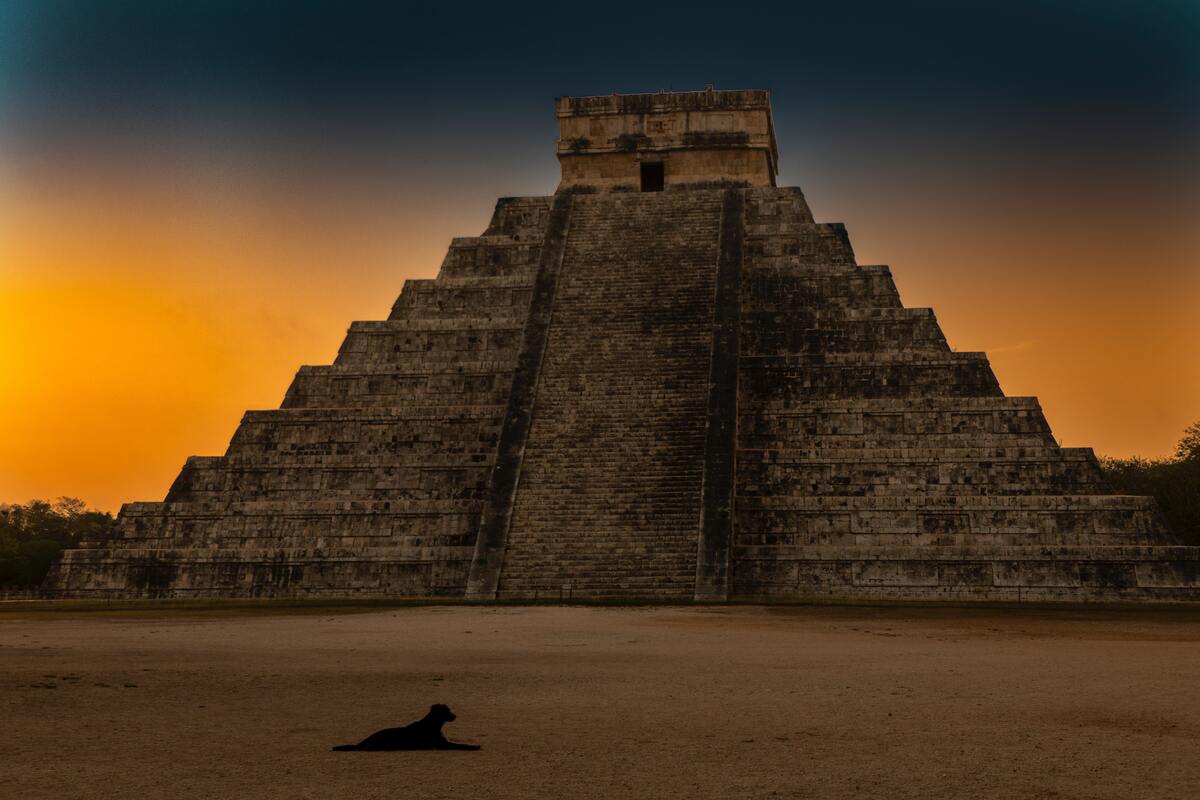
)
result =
(195, 202)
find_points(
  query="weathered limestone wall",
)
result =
(707, 138)
(683, 169)
(609, 499)
(874, 462)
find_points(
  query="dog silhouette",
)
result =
(424, 734)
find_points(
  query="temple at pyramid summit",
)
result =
(665, 381)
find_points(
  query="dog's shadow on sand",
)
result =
(424, 734)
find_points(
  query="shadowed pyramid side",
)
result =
(875, 462)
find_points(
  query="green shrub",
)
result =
(33, 534)
(1173, 482)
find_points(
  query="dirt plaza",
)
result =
(622, 701)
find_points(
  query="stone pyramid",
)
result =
(665, 381)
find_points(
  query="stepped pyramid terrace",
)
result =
(666, 381)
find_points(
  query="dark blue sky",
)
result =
(878, 88)
(937, 64)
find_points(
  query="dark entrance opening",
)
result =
(652, 176)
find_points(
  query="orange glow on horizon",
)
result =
(140, 317)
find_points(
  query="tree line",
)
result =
(33, 534)
(1174, 482)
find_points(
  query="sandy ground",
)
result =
(604, 702)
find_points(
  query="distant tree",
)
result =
(1188, 448)
(1173, 482)
(31, 536)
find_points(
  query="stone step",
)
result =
(301, 509)
(999, 573)
(257, 491)
(335, 478)
(778, 280)
(783, 226)
(788, 456)
(922, 502)
(782, 203)
(346, 435)
(798, 243)
(491, 256)
(521, 218)
(818, 317)
(934, 514)
(183, 573)
(931, 518)
(402, 369)
(826, 314)
(381, 482)
(598, 594)
(768, 436)
(1042, 553)
(968, 476)
(779, 299)
(483, 323)
(864, 375)
(602, 559)
(870, 360)
(338, 538)
(452, 299)
(388, 343)
(593, 573)
(436, 457)
(489, 283)
(599, 580)
(585, 572)
(788, 269)
(753, 544)
(890, 419)
(445, 414)
(406, 451)
(355, 386)
(815, 335)
(863, 407)
(397, 552)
